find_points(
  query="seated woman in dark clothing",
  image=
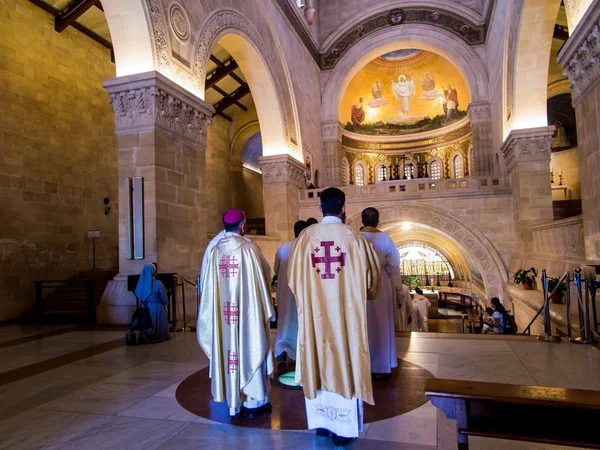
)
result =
(154, 293)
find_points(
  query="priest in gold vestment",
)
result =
(332, 272)
(233, 321)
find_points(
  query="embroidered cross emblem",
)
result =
(231, 313)
(328, 260)
(228, 266)
(232, 361)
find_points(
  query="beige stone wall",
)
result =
(58, 159)
(566, 161)
(218, 178)
(252, 194)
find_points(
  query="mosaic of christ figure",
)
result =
(403, 90)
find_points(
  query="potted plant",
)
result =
(526, 277)
(558, 295)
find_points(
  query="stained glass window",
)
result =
(344, 173)
(420, 260)
(458, 166)
(359, 175)
(435, 169)
(380, 172)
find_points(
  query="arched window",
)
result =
(435, 169)
(359, 174)
(409, 169)
(458, 166)
(380, 173)
(345, 170)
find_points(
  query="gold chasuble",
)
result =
(234, 313)
(332, 271)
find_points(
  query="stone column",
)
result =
(161, 131)
(283, 177)
(526, 155)
(483, 154)
(580, 56)
(332, 154)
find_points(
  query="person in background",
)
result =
(311, 221)
(152, 292)
(421, 305)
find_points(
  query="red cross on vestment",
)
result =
(231, 313)
(232, 361)
(328, 260)
(228, 266)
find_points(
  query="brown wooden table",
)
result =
(522, 413)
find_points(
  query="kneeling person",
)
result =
(234, 315)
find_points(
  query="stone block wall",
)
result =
(252, 194)
(58, 156)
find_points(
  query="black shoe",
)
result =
(255, 413)
(341, 442)
(323, 433)
(282, 357)
(381, 376)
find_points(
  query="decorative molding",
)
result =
(412, 145)
(144, 101)
(282, 169)
(560, 239)
(211, 30)
(580, 55)
(527, 145)
(480, 113)
(180, 23)
(513, 27)
(558, 87)
(287, 8)
(472, 34)
(331, 131)
(165, 63)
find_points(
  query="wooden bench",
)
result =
(522, 413)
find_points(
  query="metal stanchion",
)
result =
(585, 333)
(568, 293)
(547, 334)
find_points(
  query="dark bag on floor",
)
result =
(141, 319)
(510, 325)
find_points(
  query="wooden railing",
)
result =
(522, 413)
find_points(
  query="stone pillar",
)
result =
(161, 131)
(332, 154)
(526, 155)
(580, 56)
(483, 154)
(283, 177)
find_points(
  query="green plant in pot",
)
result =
(557, 296)
(526, 277)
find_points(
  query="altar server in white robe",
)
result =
(404, 306)
(287, 311)
(380, 312)
(421, 305)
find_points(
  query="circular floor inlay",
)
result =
(401, 394)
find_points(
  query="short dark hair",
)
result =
(418, 291)
(332, 201)
(370, 217)
(311, 221)
(298, 227)
(233, 226)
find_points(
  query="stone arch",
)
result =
(130, 33)
(468, 238)
(533, 53)
(240, 138)
(239, 37)
(427, 37)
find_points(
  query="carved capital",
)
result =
(527, 145)
(480, 113)
(282, 169)
(580, 56)
(331, 131)
(144, 101)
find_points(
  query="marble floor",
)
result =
(85, 394)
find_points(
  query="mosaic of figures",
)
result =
(404, 92)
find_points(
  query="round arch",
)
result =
(532, 59)
(471, 242)
(239, 37)
(426, 37)
(240, 138)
